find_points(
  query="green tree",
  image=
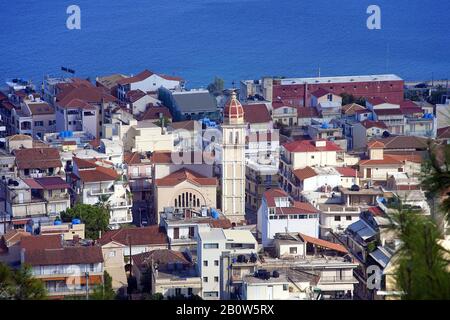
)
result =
(95, 218)
(164, 120)
(6, 282)
(20, 284)
(349, 98)
(104, 291)
(436, 176)
(216, 87)
(421, 263)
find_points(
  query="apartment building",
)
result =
(94, 181)
(278, 214)
(215, 252)
(65, 270)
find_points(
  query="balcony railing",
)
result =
(98, 192)
(335, 279)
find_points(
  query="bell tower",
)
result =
(233, 160)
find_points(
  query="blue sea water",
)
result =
(233, 39)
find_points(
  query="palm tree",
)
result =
(436, 176)
(421, 263)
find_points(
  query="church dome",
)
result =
(233, 108)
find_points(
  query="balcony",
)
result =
(103, 191)
(116, 220)
(335, 279)
(120, 205)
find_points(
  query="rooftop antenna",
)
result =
(319, 71)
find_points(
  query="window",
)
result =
(348, 218)
(216, 279)
(112, 253)
(177, 292)
(39, 123)
(337, 218)
(285, 287)
(91, 267)
(293, 250)
(205, 263)
(216, 262)
(312, 157)
(189, 291)
(205, 279)
(211, 246)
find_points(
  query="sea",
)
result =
(231, 39)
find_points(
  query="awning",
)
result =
(381, 257)
(362, 229)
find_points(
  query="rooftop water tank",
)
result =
(57, 223)
(324, 125)
(214, 214)
(76, 221)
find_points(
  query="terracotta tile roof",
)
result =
(87, 94)
(307, 112)
(443, 133)
(185, 175)
(78, 103)
(37, 158)
(152, 235)
(186, 125)
(405, 142)
(417, 158)
(7, 105)
(346, 171)
(165, 157)
(144, 75)
(162, 257)
(350, 109)
(276, 104)
(296, 208)
(52, 183)
(14, 236)
(41, 242)
(135, 95)
(408, 104)
(324, 243)
(388, 112)
(271, 194)
(371, 124)
(64, 256)
(305, 173)
(309, 146)
(375, 144)
(387, 160)
(131, 158)
(41, 108)
(320, 93)
(162, 157)
(376, 101)
(84, 163)
(412, 110)
(256, 113)
(153, 113)
(98, 174)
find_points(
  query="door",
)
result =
(191, 232)
(369, 173)
(176, 233)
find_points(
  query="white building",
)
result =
(213, 245)
(148, 81)
(94, 182)
(279, 214)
